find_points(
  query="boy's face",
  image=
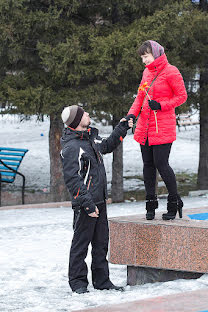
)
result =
(147, 58)
(85, 121)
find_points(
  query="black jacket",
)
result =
(83, 167)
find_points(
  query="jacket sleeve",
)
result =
(72, 165)
(175, 81)
(137, 104)
(116, 137)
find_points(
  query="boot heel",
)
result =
(180, 212)
(180, 206)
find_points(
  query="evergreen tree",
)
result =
(56, 53)
(118, 68)
(46, 51)
(202, 63)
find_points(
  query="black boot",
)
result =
(180, 206)
(174, 204)
(81, 290)
(151, 205)
(113, 287)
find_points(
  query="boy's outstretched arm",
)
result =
(116, 137)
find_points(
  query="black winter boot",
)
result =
(180, 206)
(151, 205)
(174, 204)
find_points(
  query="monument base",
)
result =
(141, 275)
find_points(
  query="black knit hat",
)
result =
(72, 116)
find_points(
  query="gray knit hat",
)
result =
(72, 116)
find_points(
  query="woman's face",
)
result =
(147, 58)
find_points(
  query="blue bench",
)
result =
(10, 160)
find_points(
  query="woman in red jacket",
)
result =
(161, 91)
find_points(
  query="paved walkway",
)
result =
(192, 301)
(44, 205)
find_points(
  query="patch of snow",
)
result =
(34, 247)
(33, 135)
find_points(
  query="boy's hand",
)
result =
(130, 116)
(94, 214)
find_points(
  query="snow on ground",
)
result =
(33, 135)
(34, 243)
(34, 247)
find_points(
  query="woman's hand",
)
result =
(130, 122)
(154, 105)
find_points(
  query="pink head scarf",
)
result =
(157, 49)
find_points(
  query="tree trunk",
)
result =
(202, 181)
(57, 186)
(203, 4)
(117, 171)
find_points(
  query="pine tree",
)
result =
(46, 53)
(202, 63)
(56, 53)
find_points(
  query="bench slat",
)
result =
(13, 149)
(7, 180)
(11, 163)
(8, 173)
(11, 158)
(5, 168)
(12, 153)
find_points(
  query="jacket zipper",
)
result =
(155, 112)
(87, 174)
(99, 157)
(90, 179)
(77, 194)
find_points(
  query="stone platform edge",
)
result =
(43, 205)
(190, 301)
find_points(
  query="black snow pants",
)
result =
(95, 231)
(156, 157)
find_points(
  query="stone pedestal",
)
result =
(163, 250)
(141, 275)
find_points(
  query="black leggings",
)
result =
(156, 157)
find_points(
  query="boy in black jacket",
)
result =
(85, 177)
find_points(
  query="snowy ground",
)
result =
(34, 246)
(34, 243)
(34, 136)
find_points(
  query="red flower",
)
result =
(143, 87)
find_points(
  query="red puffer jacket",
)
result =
(169, 90)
